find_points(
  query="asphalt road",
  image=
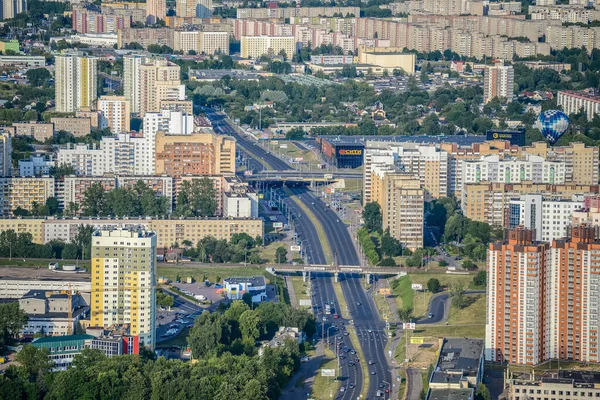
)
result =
(370, 329)
(182, 306)
(439, 306)
(221, 126)
(415, 384)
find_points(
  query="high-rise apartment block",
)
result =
(516, 302)
(542, 299)
(498, 81)
(116, 113)
(75, 82)
(155, 10)
(194, 8)
(5, 154)
(158, 80)
(196, 154)
(124, 282)
(10, 8)
(256, 46)
(428, 163)
(131, 79)
(204, 8)
(402, 201)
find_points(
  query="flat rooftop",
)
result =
(41, 274)
(580, 376)
(461, 354)
(458, 139)
(450, 394)
(254, 280)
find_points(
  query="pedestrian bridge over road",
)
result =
(306, 269)
(301, 176)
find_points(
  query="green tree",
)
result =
(35, 361)
(480, 279)
(250, 326)
(38, 76)
(458, 296)
(197, 198)
(372, 216)
(433, 285)
(281, 254)
(12, 320)
(469, 265)
(405, 314)
(94, 200)
(70, 251)
(483, 393)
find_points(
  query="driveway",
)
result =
(439, 306)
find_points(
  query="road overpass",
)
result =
(301, 176)
(306, 269)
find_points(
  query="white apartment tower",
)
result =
(124, 282)
(115, 113)
(499, 81)
(75, 82)
(131, 79)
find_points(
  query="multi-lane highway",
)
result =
(370, 329)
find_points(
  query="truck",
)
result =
(200, 297)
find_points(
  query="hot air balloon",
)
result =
(553, 124)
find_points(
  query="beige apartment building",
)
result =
(402, 202)
(255, 46)
(183, 106)
(488, 202)
(152, 75)
(581, 161)
(185, 40)
(155, 10)
(78, 127)
(388, 58)
(116, 113)
(38, 130)
(93, 115)
(195, 154)
(210, 43)
(23, 192)
(34, 226)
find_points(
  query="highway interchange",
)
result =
(370, 329)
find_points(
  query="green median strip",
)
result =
(339, 293)
(317, 224)
(324, 386)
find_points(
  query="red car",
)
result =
(335, 316)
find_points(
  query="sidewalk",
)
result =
(291, 292)
(298, 390)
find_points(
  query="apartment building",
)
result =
(530, 168)
(155, 10)
(571, 37)
(23, 192)
(93, 115)
(135, 11)
(516, 308)
(572, 102)
(255, 46)
(10, 8)
(131, 79)
(549, 217)
(91, 19)
(196, 154)
(5, 153)
(124, 282)
(159, 80)
(116, 113)
(145, 36)
(402, 202)
(78, 127)
(489, 202)
(216, 42)
(38, 130)
(85, 160)
(75, 187)
(75, 81)
(36, 165)
(185, 40)
(564, 385)
(498, 81)
(564, 13)
(573, 315)
(34, 226)
(581, 161)
(292, 12)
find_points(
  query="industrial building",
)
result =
(342, 153)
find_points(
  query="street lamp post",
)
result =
(328, 346)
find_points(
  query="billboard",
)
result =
(385, 291)
(417, 286)
(278, 225)
(328, 176)
(295, 248)
(350, 152)
(305, 302)
(283, 146)
(408, 325)
(417, 340)
(328, 372)
(514, 137)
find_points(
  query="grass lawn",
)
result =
(384, 307)
(300, 287)
(419, 301)
(324, 384)
(180, 340)
(318, 227)
(268, 252)
(339, 293)
(402, 291)
(472, 314)
(293, 151)
(441, 331)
